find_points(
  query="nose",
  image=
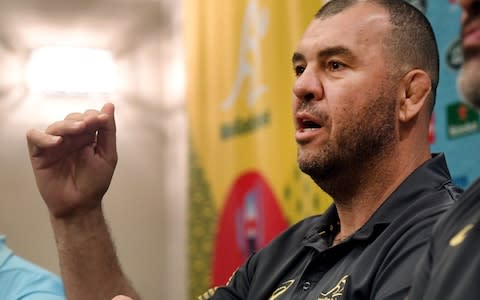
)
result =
(308, 86)
(470, 7)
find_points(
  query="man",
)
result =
(451, 267)
(363, 97)
(20, 279)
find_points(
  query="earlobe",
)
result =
(417, 86)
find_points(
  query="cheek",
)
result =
(294, 104)
(345, 104)
(346, 116)
(340, 118)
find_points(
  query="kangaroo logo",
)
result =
(337, 291)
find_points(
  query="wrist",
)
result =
(74, 208)
(81, 225)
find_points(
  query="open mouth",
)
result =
(308, 125)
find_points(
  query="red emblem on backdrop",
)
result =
(250, 219)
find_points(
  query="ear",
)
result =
(415, 91)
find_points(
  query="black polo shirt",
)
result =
(376, 262)
(450, 268)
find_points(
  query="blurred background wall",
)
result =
(145, 205)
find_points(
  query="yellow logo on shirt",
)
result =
(460, 236)
(281, 289)
(337, 291)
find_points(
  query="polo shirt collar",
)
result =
(407, 192)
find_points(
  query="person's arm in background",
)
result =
(23, 279)
(73, 161)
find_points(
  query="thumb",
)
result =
(121, 297)
(106, 139)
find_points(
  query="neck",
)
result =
(362, 192)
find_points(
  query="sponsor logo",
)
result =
(461, 120)
(244, 126)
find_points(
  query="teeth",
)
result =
(309, 129)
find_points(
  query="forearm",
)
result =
(88, 262)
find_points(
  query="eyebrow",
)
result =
(327, 52)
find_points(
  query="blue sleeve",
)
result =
(23, 280)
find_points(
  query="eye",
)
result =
(335, 66)
(298, 70)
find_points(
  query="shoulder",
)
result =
(464, 212)
(451, 266)
(260, 274)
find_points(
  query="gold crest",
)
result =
(337, 291)
(461, 235)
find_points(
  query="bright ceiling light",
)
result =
(53, 70)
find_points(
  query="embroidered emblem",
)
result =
(337, 291)
(211, 292)
(460, 236)
(208, 294)
(281, 289)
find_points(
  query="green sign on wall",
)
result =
(461, 120)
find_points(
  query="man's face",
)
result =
(469, 77)
(344, 103)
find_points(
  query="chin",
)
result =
(317, 169)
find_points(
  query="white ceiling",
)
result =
(110, 24)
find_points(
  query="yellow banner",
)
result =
(245, 185)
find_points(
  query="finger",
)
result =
(106, 139)
(95, 119)
(92, 112)
(43, 157)
(92, 118)
(37, 140)
(78, 124)
(74, 116)
(108, 110)
(88, 116)
(66, 127)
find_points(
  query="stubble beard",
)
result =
(363, 140)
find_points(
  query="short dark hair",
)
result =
(412, 43)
